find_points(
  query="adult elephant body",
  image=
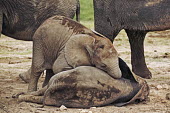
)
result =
(20, 18)
(137, 17)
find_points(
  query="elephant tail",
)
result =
(78, 11)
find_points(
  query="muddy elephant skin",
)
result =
(136, 17)
(19, 19)
(87, 86)
(61, 43)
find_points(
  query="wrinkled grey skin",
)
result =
(61, 44)
(87, 86)
(20, 18)
(137, 18)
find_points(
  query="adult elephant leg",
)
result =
(49, 74)
(136, 39)
(37, 67)
(103, 22)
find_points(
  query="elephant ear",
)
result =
(126, 72)
(141, 95)
(77, 50)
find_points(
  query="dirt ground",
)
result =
(15, 58)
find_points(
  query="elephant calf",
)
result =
(60, 44)
(87, 86)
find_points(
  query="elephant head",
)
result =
(87, 49)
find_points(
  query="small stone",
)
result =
(62, 108)
(159, 87)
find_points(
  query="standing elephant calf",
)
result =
(61, 44)
(87, 86)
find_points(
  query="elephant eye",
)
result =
(101, 46)
(103, 65)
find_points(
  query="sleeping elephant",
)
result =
(87, 86)
(136, 17)
(61, 43)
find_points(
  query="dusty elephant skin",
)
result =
(20, 18)
(61, 44)
(87, 86)
(136, 17)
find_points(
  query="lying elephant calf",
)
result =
(87, 86)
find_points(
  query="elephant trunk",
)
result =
(114, 70)
(109, 65)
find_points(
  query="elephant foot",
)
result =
(142, 72)
(24, 77)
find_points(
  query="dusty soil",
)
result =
(15, 58)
